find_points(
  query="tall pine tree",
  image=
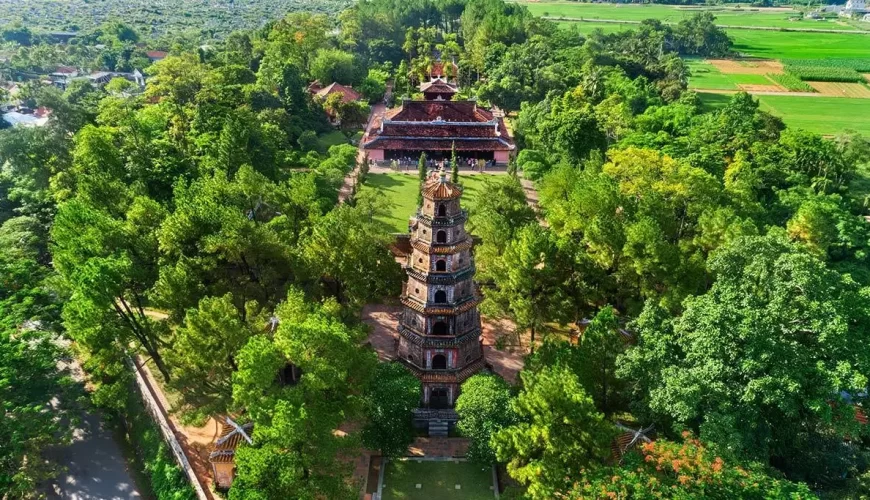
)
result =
(454, 165)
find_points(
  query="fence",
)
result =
(158, 413)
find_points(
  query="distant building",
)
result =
(62, 76)
(854, 8)
(436, 126)
(62, 36)
(19, 119)
(438, 89)
(348, 93)
(100, 77)
(156, 55)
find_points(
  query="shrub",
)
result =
(791, 82)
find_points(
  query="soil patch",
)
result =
(760, 88)
(747, 66)
(840, 89)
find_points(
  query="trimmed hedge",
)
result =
(168, 481)
(791, 82)
(825, 73)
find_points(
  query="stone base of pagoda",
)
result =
(441, 387)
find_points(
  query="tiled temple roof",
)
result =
(348, 94)
(439, 125)
(438, 85)
(232, 436)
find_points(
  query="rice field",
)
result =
(727, 16)
(822, 115)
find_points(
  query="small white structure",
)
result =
(17, 119)
(854, 8)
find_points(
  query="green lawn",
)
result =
(823, 115)
(402, 188)
(331, 139)
(706, 76)
(727, 16)
(437, 480)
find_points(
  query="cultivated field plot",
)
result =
(798, 45)
(747, 67)
(401, 190)
(748, 17)
(822, 115)
(709, 75)
(839, 89)
(437, 480)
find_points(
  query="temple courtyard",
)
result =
(414, 479)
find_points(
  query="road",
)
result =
(95, 465)
(96, 468)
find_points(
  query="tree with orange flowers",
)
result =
(668, 469)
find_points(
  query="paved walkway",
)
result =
(96, 466)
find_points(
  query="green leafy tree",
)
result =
(204, 354)
(421, 175)
(29, 379)
(334, 65)
(296, 449)
(390, 396)
(527, 283)
(484, 408)
(559, 433)
(772, 343)
(349, 250)
(500, 212)
(454, 164)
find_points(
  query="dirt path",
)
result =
(350, 180)
(726, 26)
(793, 94)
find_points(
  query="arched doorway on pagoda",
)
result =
(439, 398)
(439, 362)
(440, 297)
(441, 265)
(442, 210)
(441, 236)
(440, 328)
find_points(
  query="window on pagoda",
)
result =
(441, 237)
(442, 210)
(439, 362)
(440, 328)
(441, 265)
(440, 297)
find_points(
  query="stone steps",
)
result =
(438, 428)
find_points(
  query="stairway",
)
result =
(437, 428)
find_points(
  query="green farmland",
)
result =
(823, 115)
(750, 17)
(707, 76)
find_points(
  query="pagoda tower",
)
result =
(439, 329)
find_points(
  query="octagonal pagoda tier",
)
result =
(439, 329)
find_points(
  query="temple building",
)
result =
(223, 456)
(435, 126)
(439, 328)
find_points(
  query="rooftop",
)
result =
(348, 93)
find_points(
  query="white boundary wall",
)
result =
(165, 428)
